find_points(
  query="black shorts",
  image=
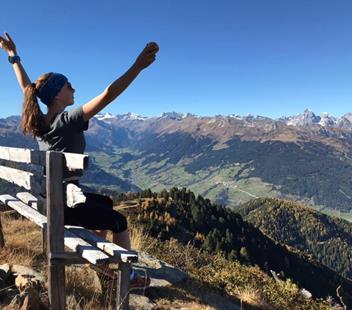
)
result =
(96, 213)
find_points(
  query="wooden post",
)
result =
(55, 229)
(44, 242)
(123, 283)
(42, 210)
(2, 240)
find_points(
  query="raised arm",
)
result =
(9, 46)
(146, 57)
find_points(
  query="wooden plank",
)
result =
(55, 228)
(21, 178)
(36, 157)
(76, 161)
(112, 249)
(36, 202)
(68, 258)
(29, 199)
(72, 241)
(86, 250)
(24, 210)
(21, 155)
(123, 285)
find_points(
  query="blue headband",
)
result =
(51, 87)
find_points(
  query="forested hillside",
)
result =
(180, 214)
(328, 239)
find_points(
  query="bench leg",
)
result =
(56, 285)
(123, 284)
(44, 244)
(2, 240)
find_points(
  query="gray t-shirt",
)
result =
(65, 133)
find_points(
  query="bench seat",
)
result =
(95, 249)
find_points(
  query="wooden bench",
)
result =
(86, 246)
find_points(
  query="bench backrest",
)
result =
(27, 179)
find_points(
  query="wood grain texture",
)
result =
(123, 284)
(19, 177)
(55, 228)
(36, 157)
(121, 254)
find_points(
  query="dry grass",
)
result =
(140, 241)
(249, 296)
(22, 242)
(23, 246)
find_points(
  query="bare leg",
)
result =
(122, 239)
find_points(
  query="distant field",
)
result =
(213, 183)
(218, 185)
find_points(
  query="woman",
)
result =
(62, 130)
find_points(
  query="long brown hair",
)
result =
(32, 116)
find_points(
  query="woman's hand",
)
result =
(147, 56)
(8, 45)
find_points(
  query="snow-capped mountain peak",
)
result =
(327, 120)
(173, 115)
(133, 116)
(128, 116)
(104, 116)
(236, 116)
(306, 119)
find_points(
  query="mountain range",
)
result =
(229, 159)
(307, 118)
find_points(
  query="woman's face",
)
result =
(65, 95)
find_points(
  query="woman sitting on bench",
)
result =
(61, 130)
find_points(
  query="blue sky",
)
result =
(269, 58)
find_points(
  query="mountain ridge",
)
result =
(230, 160)
(303, 119)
